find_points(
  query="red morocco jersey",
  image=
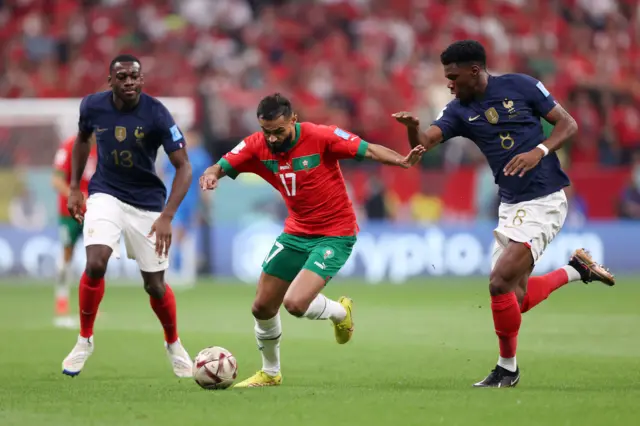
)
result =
(62, 165)
(307, 176)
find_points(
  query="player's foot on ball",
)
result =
(65, 322)
(589, 270)
(500, 378)
(259, 380)
(344, 329)
(179, 358)
(74, 362)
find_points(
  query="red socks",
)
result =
(90, 294)
(539, 288)
(506, 319)
(165, 310)
(507, 314)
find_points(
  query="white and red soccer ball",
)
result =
(215, 368)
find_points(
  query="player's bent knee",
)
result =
(499, 283)
(155, 290)
(96, 267)
(296, 307)
(154, 284)
(263, 311)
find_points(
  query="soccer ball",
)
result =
(215, 368)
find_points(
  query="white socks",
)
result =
(268, 334)
(322, 308)
(572, 273)
(508, 363)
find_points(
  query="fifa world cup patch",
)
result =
(175, 133)
(341, 133)
(543, 89)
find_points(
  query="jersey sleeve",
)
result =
(85, 124)
(537, 96)
(449, 122)
(239, 160)
(344, 144)
(170, 135)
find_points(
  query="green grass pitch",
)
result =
(416, 351)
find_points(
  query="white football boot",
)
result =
(73, 363)
(179, 359)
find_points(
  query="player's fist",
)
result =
(208, 181)
(406, 118)
(75, 204)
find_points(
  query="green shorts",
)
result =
(323, 255)
(70, 231)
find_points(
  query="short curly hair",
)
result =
(464, 51)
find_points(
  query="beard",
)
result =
(282, 147)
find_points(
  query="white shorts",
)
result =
(107, 219)
(534, 223)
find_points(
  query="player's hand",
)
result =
(208, 181)
(406, 118)
(75, 204)
(522, 163)
(162, 228)
(414, 157)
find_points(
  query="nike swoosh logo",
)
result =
(474, 118)
(99, 130)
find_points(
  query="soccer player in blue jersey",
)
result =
(502, 116)
(127, 199)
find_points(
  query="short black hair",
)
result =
(274, 106)
(464, 52)
(123, 58)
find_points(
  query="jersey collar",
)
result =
(297, 138)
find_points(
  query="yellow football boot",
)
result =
(259, 380)
(344, 329)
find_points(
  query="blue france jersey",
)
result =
(505, 123)
(128, 143)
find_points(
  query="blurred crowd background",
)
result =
(351, 63)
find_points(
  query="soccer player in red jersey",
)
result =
(70, 229)
(300, 160)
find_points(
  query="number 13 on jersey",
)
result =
(289, 182)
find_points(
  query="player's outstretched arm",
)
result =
(387, 156)
(428, 139)
(210, 177)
